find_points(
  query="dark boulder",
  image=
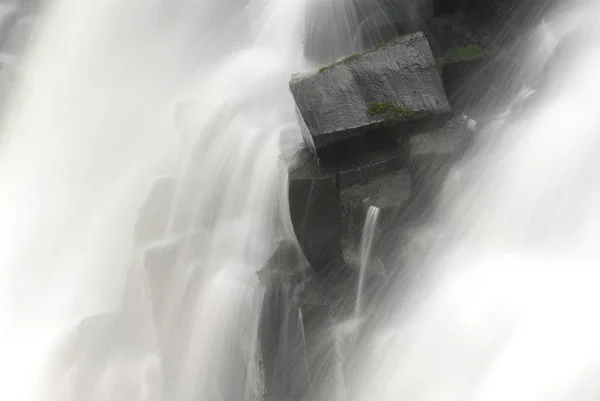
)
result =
(389, 193)
(391, 87)
(375, 164)
(315, 212)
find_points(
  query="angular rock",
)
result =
(315, 212)
(389, 193)
(361, 102)
(374, 164)
(286, 262)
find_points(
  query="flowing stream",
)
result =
(508, 306)
(141, 190)
(182, 101)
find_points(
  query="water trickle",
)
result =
(366, 242)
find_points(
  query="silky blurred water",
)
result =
(141, 189)
(113, 96)
(506, 308)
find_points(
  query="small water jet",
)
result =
(366, 242)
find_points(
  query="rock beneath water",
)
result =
(315, 212)
(280, 328)
(105, 352)
(431, 157)
(374, 164)
(323, 350)
(287, 261)
(364, 100)
(389, 193)
(168, 275)
(155, 212)
(160, 263)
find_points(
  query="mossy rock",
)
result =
(389, 111)
(462, 53)
(344, 60)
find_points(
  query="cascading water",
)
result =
(508, 308)
(105, 295)
(83, 146)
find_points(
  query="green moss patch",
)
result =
(464, 53)
(350, 57)
(344, 60)
(388, 111)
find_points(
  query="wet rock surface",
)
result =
(389, 193)
(375, 164)
(315, 213)
(354, 99)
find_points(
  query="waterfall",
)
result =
(506, 306)
(140, 188)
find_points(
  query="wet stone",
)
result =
(374, 164)
(365, 101)
(390, 194)
(315, 212)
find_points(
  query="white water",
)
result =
(509, 310)
(92, 127)
(364, 252)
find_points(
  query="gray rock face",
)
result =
(375, 164)
(387, 87)
(390, 194)
(315, 212)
